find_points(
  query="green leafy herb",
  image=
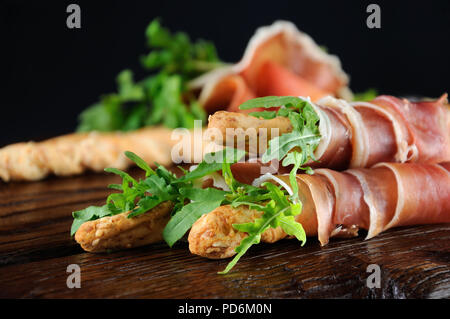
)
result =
(140, 163)
(176, 54)
(294, 148)
(203, 201)
(272, 101)
(267, 115)
(212, 162)
(88, 214)
(365, 96)
(162, 97)
(279, 211)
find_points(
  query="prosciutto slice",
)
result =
(387, 129)
(361, 134)
(427, 127)
(376, 199)
(385, 196)
(339, 204)
(279, 60)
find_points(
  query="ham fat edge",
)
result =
(338, 204)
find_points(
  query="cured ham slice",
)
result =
(231, 91)
(274, 79)
(427, 127)
(279, 60)
(361, 134)
(339, 203)
(388, 195)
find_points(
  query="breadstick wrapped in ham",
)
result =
(338, 204)
(359, 134)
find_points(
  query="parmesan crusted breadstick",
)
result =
(223, 120)
(120, 232)
(213, 235)
(76, 153)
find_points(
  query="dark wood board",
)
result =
(36, 248)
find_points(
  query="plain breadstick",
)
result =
(78, 152)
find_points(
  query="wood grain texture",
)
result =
(36, 248)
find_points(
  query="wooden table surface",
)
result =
(36, 249)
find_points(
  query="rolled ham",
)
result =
(279, 60)
(361, 134)
(339, 204)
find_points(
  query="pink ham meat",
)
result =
(388, 129)
(279, 60)
(376, 199)
(427, 124)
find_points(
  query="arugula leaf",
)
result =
(267, 115)
(128, 90)
(177, 54)
(245, 244)
(297, 147)
(182, 221)
(160, 98)
(126, 177)
(281, 145)
(147, 203)
(292, 228)
(365, 96)
(212, 162)
(270, 101)
(87, 214)
(279, 211)
(140, 163)
(203, 201)
(106, 115)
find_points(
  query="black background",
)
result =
(52, 72)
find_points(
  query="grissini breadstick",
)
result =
(339, 203)
(234, 127)
(120, 232)
(76, 153)
(213, 235)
